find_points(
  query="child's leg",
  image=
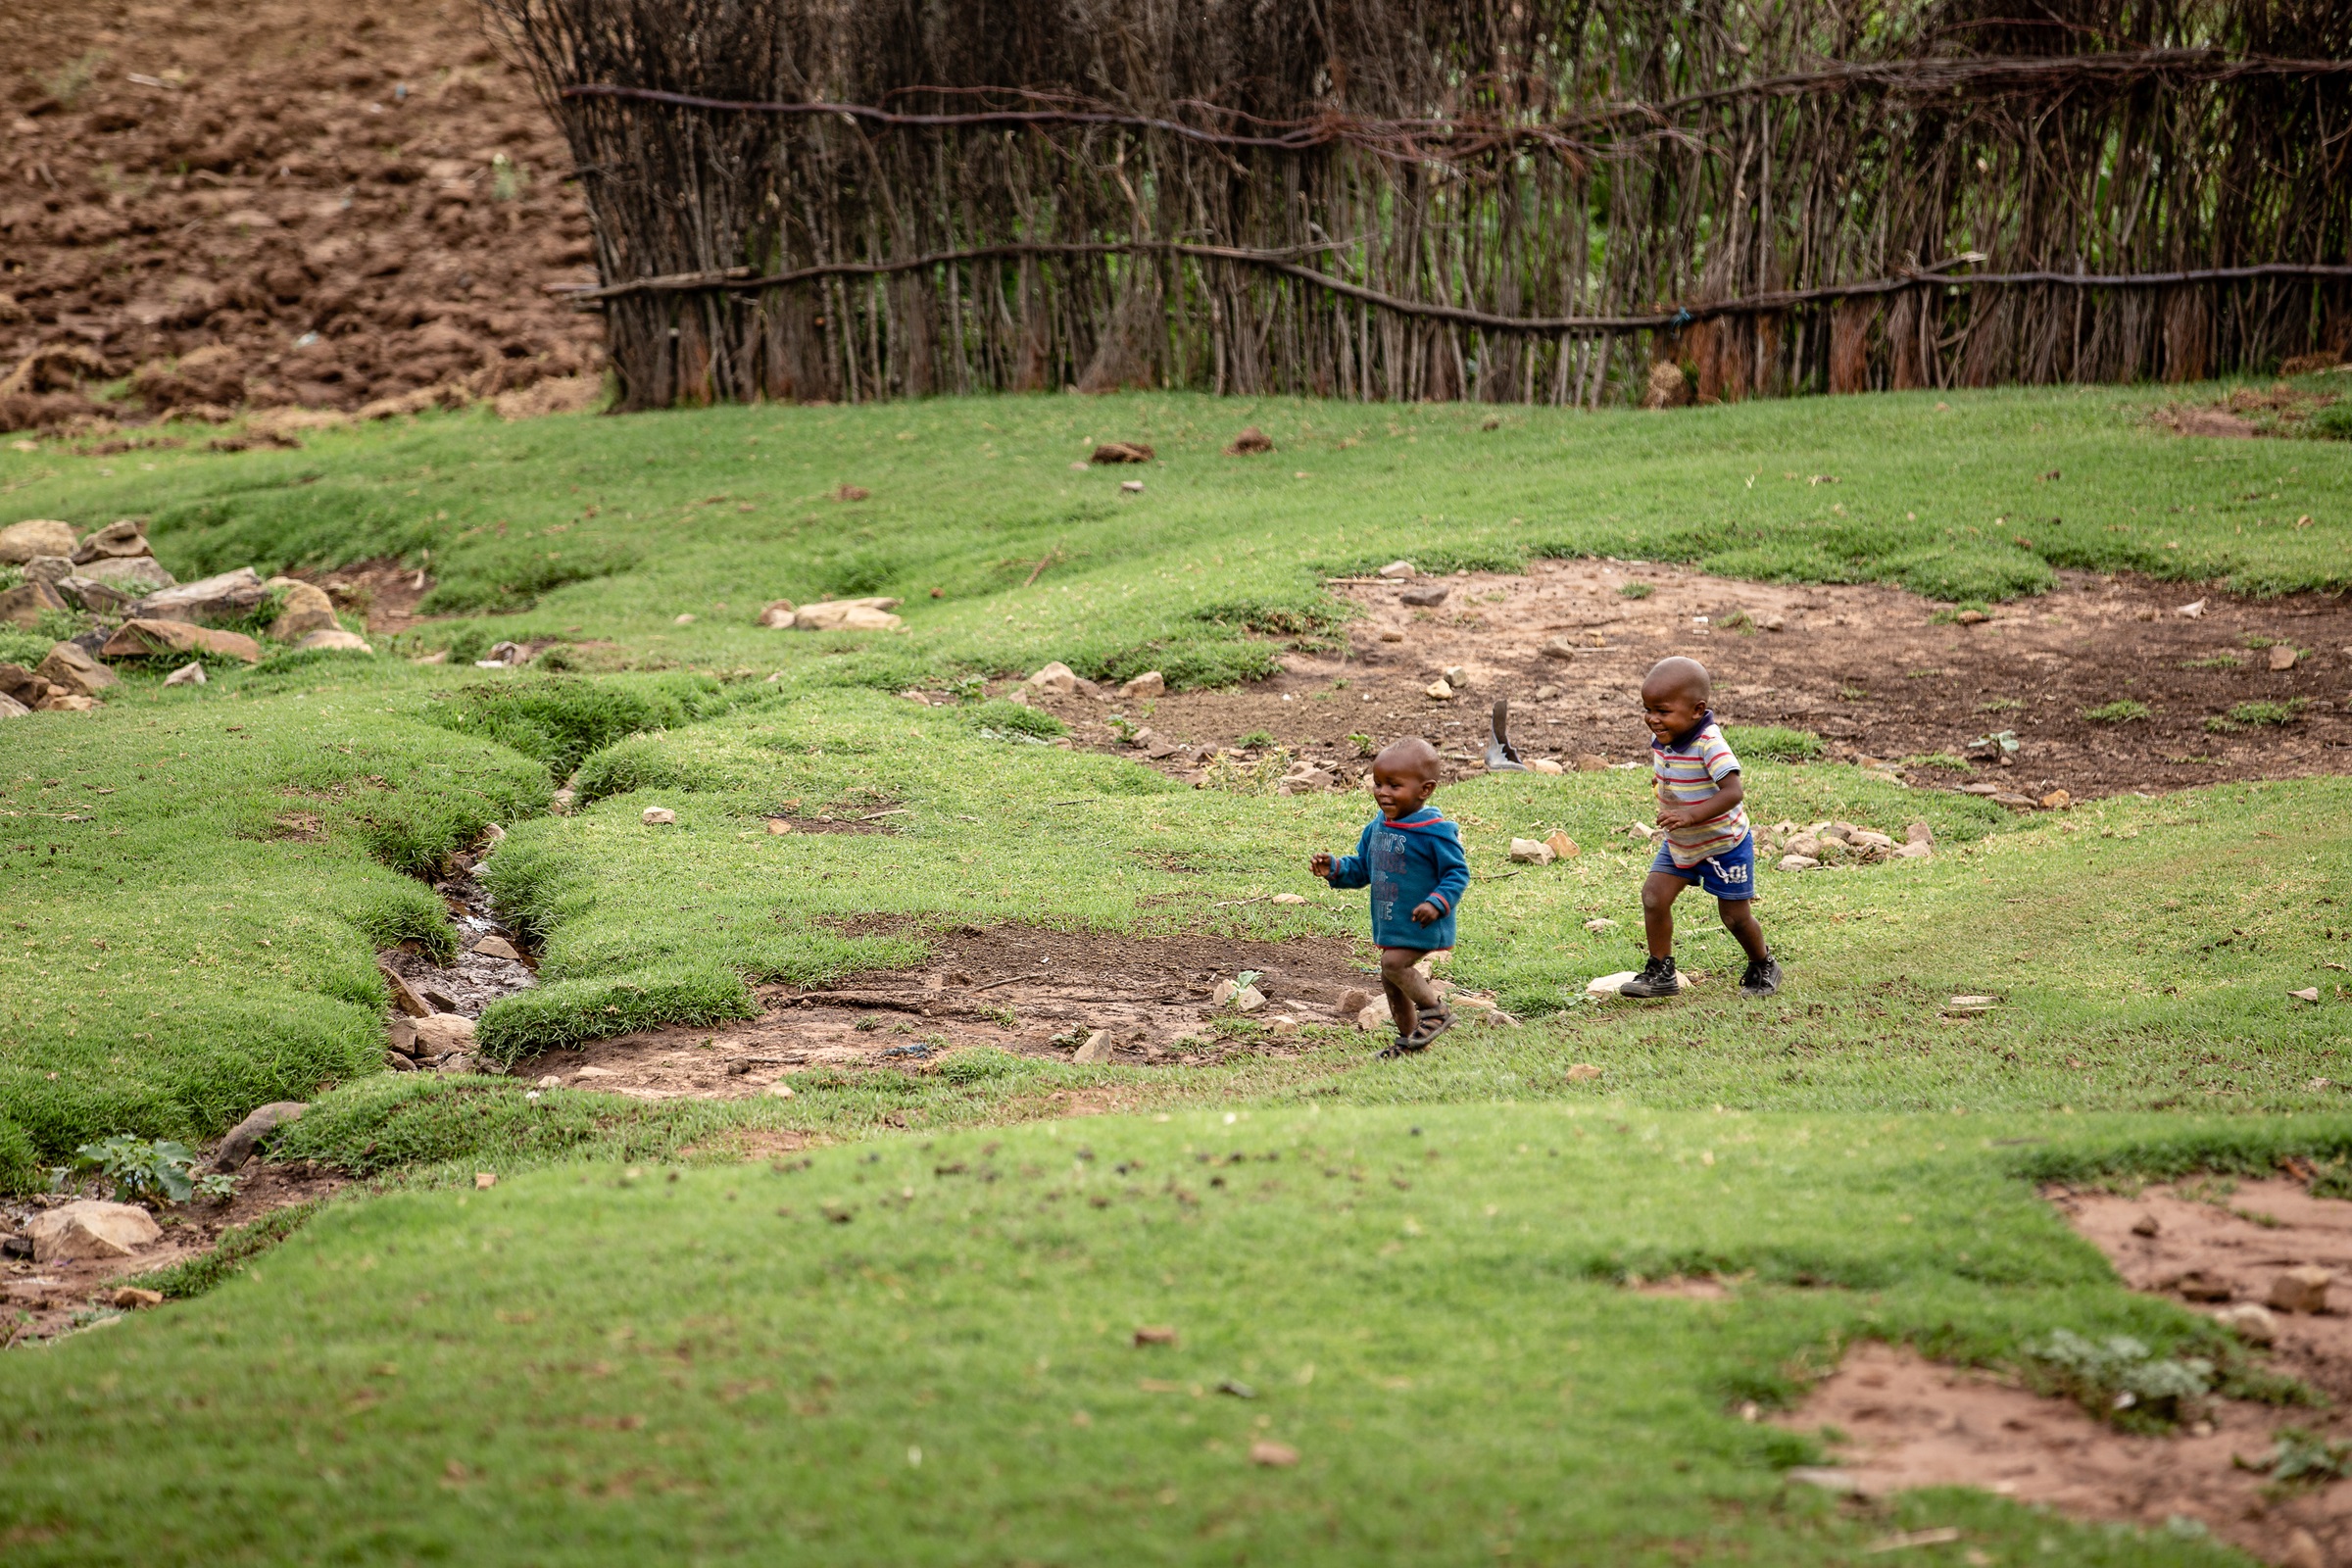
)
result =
(1408, 990)
(1657, 911)
(1739, 920)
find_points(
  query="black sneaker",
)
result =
(1763, 977)
(1656, 979)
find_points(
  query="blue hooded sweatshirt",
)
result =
(1417, 859)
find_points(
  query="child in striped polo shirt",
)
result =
(1707, 841)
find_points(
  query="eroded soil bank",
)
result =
(1870, 669)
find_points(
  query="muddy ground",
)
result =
(1900, 1421)
(1876, 673)
(39, 1301)
(343, 205)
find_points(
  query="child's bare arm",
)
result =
(1690, 813)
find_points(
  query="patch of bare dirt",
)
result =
(2217, 1242)
(1869, 668)
(39, 1301)
(1021, 989)
(277, 204)
(2248, 411)
(382, 591)
(1905, 1422)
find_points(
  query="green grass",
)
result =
(583, 1365)
(920, 1351)
(1770, 743)
(2123, 710)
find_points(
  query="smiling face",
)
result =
(1404, 775)
(1673, 696)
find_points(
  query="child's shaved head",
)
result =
(1410, 756)
(1677, 677)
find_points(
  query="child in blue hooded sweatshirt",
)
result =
(1411, 858)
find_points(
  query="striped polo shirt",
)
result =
(1692, 767)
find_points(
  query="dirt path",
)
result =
(1870, 669)
(345, 206)
(1903, 1422)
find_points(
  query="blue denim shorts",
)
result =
(1729, 875)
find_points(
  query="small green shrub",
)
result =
(1774, 743)
(1002, 720)
(138, 1169)
(1636, 590)
(2333, 422)
(2122, 1380)
(2300, 1458)
(2123, 710)
(1255, 739)
(2267, 713)
(980, 1064)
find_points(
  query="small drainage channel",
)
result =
(435, 1005)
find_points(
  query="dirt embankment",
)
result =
(2099, 687)
(283, 203)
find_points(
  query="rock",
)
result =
(1249, 443)
(1399, 571)
(1558, 648)
(1919, 833)
(1373, 1016)
(1456, 676)
(1584, 1072)
(51, 569)
(124, 538)
(457, 1061)
(1055, 679)
(89, 1228)
(1439, 691)
(1154, 1334)
(440, 1033)
(307, 608)
(776, 613)
(1608, 985)
(1805, 843)
(2145, 1225)
(2303, 1550)
(1531, 852)
(1248, 1000)
(1979, 789)
(1353, 1002)
(1222, 993)
(2310, 994)
(22, 684)
(1839, 1483)
(1600, 923)
(1795, 862)
(2282, 656)
(132, 1299)
(70, 665)
(1641, 830)
(1971, 618)
(1121, 452)
(185, 675)
(659, 816)
(1544, 764)
(2012, 800)
(237, 1148)
(1133, 487)
(63, 702)
(10, 707)
(225, 597)
(148, 638)
(1274, 1455)
(1972, 1004)
(1288, 897)
(779, 1090)
(2198, 1286)
(1425, 595)
(2249, 1322)
(92, 597)
(1776, 622)
(1864, 839)
(1095, 1050)
(21, 542)
(497, 947)
(1913, 851)
(1302, 780)
(846, 615)
(1560, 844)
(335, 640)
(400, 1035)
(2193, 609)
(2055, 800)
(1588, 762)
(1151, 683)
(129, 575)
(28, 603)
(1668, 387)
(2301, 1290)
